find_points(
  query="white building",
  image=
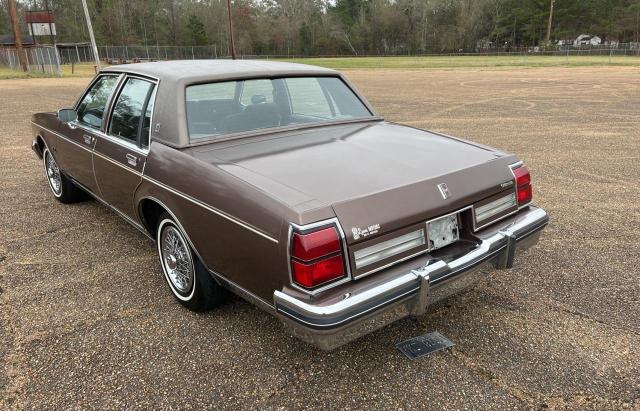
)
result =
(587, 40)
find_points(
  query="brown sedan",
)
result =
(280, 183)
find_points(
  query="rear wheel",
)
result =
(61, 187)
(188, 279)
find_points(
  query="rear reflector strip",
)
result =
(389, 248)
(495, 207)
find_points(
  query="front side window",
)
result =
(131, 113)
(216, 110)
(91, 108)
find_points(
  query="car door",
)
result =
(120, 153)
(74, 151)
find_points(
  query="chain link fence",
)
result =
(48, 59)
(43, 59)
(134, 53)
(146, 53)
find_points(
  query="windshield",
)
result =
(215, 110)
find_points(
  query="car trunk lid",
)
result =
(378, 177)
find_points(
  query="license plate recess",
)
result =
(443, 231)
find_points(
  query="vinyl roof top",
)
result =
(197, 70)
(170, 120)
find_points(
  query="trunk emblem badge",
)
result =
(365, 232)
(444, 190)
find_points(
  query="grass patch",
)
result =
(79, 70)
(7, 73)
(404, 62)
(454, 62)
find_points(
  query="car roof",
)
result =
(188, 71)
(169, 112)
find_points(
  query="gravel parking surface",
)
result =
(86, 320)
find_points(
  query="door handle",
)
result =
(87, 139)
(132, 160)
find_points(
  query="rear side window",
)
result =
(257, 91)
(308, 98)
(130, 111)
(91, 108)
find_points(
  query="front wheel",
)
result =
(61, 187)
(188, 279)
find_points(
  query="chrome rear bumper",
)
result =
(331, 323)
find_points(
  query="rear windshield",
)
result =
(215, 110)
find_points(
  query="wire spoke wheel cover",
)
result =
(53, 174)
(177, 261)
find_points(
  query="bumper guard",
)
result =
(333, 323)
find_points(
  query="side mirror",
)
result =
(67, 115)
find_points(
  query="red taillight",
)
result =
(320, 272)
(315, 245)
(316, 257)
(523, 185)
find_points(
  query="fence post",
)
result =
(59, 66)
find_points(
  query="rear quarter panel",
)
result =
(238, 231)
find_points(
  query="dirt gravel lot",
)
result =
(86, 320)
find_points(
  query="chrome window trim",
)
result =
(154, 96)
(121, 75)
(130, 72)
(269, 130)
(125, 144)
(279, 129)
(107, 107)
(116, 95)
(91, 83)
(331, 222)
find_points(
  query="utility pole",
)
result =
(93, 39)
(51, 37)
(13, 13)
(550, 21)
(232, 46)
